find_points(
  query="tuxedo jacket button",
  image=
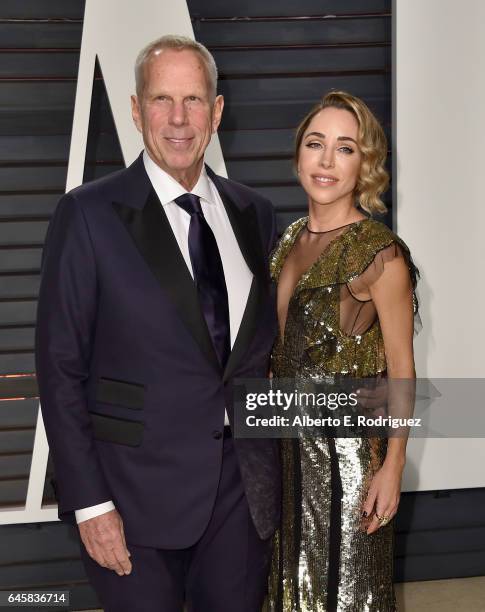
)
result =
(217, 435)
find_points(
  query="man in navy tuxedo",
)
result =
(155, 295)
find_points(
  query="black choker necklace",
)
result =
(331, 230)
(312, 232)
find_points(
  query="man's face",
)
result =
(175, 113)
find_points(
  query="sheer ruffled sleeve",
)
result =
(368, 277)
(360, 285)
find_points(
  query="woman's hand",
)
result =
(392, 294)
(383, 496)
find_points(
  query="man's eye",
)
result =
(193, 98)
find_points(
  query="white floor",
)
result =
(463, 594)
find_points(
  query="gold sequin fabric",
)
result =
(324, 561)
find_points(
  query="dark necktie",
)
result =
(208, 275)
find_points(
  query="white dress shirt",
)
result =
(236, 272)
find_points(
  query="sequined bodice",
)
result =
(315, 344)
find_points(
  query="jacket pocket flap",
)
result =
(121, 393)
(119, 431)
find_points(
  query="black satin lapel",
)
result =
(246, 229)
(153, 236)
(247, 328)
(245, 225)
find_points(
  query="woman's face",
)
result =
(329, 158)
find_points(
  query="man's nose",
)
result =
(178, 114)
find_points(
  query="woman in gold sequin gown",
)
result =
(345, 307)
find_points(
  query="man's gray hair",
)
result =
(171, 41)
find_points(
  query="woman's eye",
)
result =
(346, 150)
(313, 145)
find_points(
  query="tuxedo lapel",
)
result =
(244, 221)
(140, 211)
(150, 230)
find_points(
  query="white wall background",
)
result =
(440, 169)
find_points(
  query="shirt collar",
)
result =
(167, 188)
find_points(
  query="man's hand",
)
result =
(374, 398)
(104, 539)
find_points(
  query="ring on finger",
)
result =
(383, 520)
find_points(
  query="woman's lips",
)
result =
(325, 180)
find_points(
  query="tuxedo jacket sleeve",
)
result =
(66, 318)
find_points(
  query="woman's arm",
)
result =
(392, 295)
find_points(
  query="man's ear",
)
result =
(136, 112)
(217, 112)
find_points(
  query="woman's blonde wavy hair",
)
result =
(374, 178)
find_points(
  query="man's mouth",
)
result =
(179, 143)
(177, 140)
